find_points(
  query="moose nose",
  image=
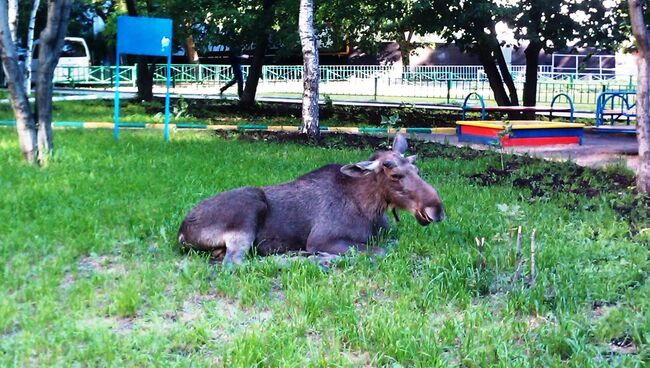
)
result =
(435, 214)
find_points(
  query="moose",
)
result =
(329, 210)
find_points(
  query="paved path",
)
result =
(597, 150)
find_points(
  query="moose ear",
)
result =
(400, 144)
(411, 159)
(359, 169)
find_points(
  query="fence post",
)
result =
(376, 82)
(448, 90)
(629, 84)
(135, 74)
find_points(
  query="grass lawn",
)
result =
(90, 273)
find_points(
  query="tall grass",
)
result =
(90, 273)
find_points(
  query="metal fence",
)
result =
(449, 84)
(94, 75)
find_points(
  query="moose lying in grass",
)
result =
(329, 210)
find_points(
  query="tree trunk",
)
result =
(30, 45)
(144, 71)
(494, 78)
(51, 43)
(144, 81)
(190, 51)
(13, 20)
(506, 76)
(405, 47)
(255, 70)
(25, 125)
(640, 32)
(235, 63)
(311, 72)
(530, 85)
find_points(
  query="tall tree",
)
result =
(51, 43)
(548, 26)
(471, 25)
(13, 19)
(35, 135)
(265, 22)
(311, 71)
(538, 25)
(145, 68)
(246, 25)
(30, 45)
(25, 124)
(640, 32)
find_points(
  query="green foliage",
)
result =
(328, 102)
(390, 121)
(90, 273)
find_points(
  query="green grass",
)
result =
(90, 273)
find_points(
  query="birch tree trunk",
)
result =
(13, 19)
(30, 45)
(51, 43)
(311, 72)
(25, 125)
(640, 32)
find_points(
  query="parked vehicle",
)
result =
(73, 62)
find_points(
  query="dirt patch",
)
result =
(194, 308)
(359, 359)
(121, 326)
(623, 345)
(575, 183)
(109, 264)
(93, 264)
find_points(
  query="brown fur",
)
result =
(327, 210)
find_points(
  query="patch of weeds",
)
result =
(127, 298)
(576, 185)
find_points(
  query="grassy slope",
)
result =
(90, 272)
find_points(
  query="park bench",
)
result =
(613, 107)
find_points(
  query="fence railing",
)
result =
(447, 84)
(94, 75)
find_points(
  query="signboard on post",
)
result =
(143, 36)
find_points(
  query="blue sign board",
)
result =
(143, 36)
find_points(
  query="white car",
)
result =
(73, 62)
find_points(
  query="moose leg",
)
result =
(330, 247)
(237, 245)
(339, 246)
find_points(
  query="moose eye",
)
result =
(397, 176)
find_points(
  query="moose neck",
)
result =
(369, 196)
